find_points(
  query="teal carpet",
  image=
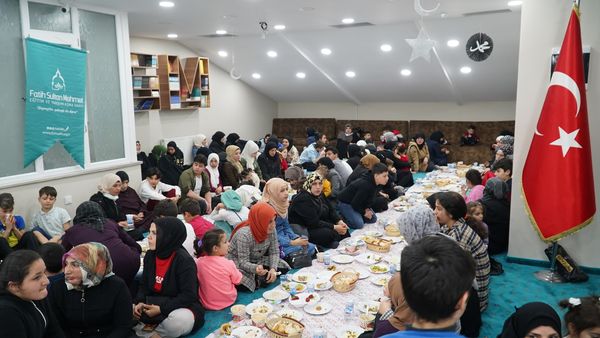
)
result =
(515, 287)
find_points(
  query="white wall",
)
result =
(446, 111)
(235, 106)
(543, 25)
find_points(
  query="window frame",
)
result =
(125, 82)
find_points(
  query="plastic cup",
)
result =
(259, 319)
(129, 221)
(238, 312)
(320, 257)
(366, 321)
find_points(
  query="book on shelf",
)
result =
(153, 82)
(196, 93)
(155, 93)
(204, 82)
(144, 104)
(135, 62)
(203, 101)
(137, 82)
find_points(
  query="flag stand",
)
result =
(550, 276)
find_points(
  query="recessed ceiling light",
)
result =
(272, 54)
(222, 53)
(385, 47)
(221, 32)
(300, 75)
(279, 27)
(172, 36)
(350, 74)
(326, 51)
(452, 43)
(256, 76)
(405, 72)
(515, 3)
(465, 70)
(443, 15)
(347, 21)
(166, 4)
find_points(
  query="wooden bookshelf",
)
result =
(144, 73)
(175, 88)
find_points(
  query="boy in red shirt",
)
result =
(192, 214)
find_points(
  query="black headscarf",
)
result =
(90, 214)
(218, 136)
(437, 136)
(232, 139)
(529, 317)
(178, 153)
(419, 135)
(268, 147)
(170, 235)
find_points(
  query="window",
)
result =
(109, 122)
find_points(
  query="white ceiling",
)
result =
(307, 31)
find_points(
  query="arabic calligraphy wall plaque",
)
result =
(479, 47)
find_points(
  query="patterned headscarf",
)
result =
(271, 196)
(90, 214)
(231, 200)
(230, 150)
(507, 139)
(495, 188)
(310, 180)
(369, 160)
(259, 218)
(94, 261)
(417, 222)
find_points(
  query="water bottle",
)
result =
(392, 269)
(327, 258)
(319, 333)
(349, 310)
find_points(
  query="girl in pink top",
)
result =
(217, 275)
(474, 190)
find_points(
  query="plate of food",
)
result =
(350, 332)
(380, 280)
(275, 295)
(342, 259)
(247, 332)
(362, 273)
(258, 307)
(373, 233)
(351, 250)
(369, 306)
(288, 286)
(369, 258)
(394, 240)
(323, 284)
(379, 268)
(304, 298)
(318, 308)
(303, 277)
(352, 241)
(326, 275)
(291, 313)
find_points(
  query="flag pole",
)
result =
(552, 275)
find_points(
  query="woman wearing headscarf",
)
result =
(394, 314)
(231, 170)
(232, 139)
(293, 156)
(437, 153)
(90, 225)
(230, 212)
(418, 153)
(366, 164)
(249, 158)
(142, 157)
(354, 156)
(496, 214)
(276, 194)
(129, 202)
(171, 164)
(90, 300)
(218, 142)
(155, 155)
(214, 176)
(315, 214)
(269, 162)
(108, 193)
(200, 146)
(534, 319)
(167, 303)
(254, 248)
(417, 222)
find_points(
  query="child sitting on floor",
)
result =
(192, 213)
(50, 222)
(474, 220)
(469, 138)
(583, 318)
(52, 254)
(217, 275)
(11, 226)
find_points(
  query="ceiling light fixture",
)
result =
(172, 36)
(515, 3)
(222, 53)
(300, 75)
(166, 4)
(452, 43)
(405, 72)
(350, 74)
(385, 48)
(347, 21)
(272, 54)
(256, 76)
(279, 27)
(326, 51)
(221, 32)
(465, 70)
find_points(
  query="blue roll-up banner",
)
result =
(55, 99)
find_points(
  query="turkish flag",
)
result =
(558, 183)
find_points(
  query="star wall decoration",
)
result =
(421, 46)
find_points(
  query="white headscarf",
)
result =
(106, 182)
(199, 140)
(214, 172)
(250, 148)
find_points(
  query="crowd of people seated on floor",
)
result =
(244, 211)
